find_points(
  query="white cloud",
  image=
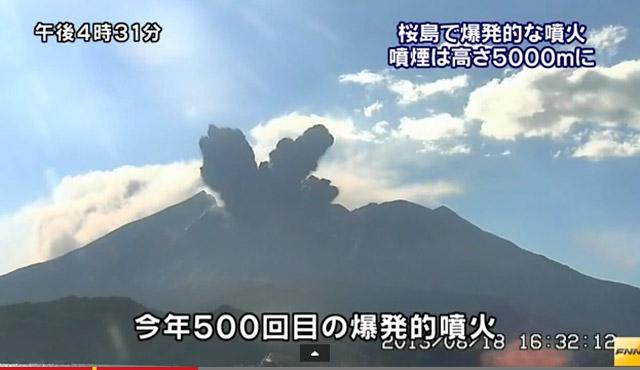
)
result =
(458, 149)
(445, 148)
(609, 143)
(550, 102)
(84, 207)
(409, 92)
(380, 128)
(431, 128)
(368, 111)
(266, 135)
(363, 183)
(364, 77)
(607, 39)
(506, 153)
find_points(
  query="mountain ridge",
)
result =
(369, 217)
(280, 243)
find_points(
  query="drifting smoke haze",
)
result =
(84, 207)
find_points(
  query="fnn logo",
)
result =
(626, 351)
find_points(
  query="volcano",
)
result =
(280, 243)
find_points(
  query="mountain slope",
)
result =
(192, 256)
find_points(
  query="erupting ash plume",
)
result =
(280, 184)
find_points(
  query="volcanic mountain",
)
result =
(279, 243)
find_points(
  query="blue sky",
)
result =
(68, 111)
